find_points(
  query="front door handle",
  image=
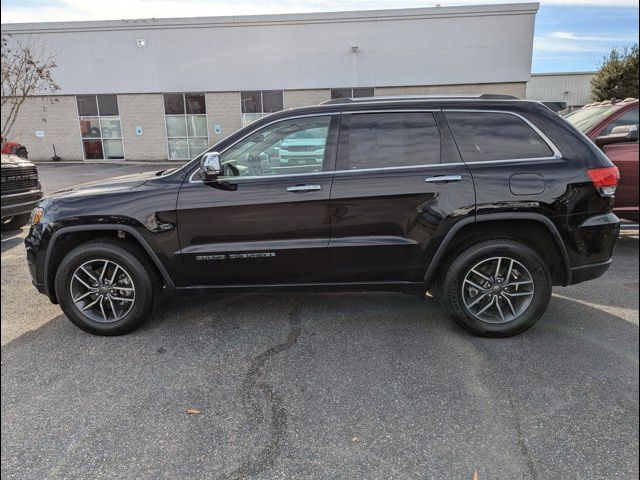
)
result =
(303, 188)
(443, 179)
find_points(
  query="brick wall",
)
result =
(303, 98)
(223, 109)
(57, 117)
(145, 111)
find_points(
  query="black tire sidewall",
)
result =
(540, 274)
(141, 278)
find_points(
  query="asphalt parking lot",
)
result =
(320, 386)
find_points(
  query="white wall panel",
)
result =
(427, 46)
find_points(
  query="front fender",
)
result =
(156, 238)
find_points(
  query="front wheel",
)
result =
(497, 288)
(105, 288)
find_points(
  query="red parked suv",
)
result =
(613, 126)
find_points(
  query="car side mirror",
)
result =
(210, 164)
(621, 134)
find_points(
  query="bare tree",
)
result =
(26, 71)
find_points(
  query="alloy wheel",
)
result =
(102, 290)
(497, 290)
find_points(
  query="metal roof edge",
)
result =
(275, 19)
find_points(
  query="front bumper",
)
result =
(36, 243)
(18, 203)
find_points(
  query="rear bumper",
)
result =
(598, 236)
(589, 272)
(18, 203)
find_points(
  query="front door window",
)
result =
(287, 147)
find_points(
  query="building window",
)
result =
(351, 92)
(257, 104)
(100, 127)
(187, 129)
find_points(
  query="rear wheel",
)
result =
(104, 288)
(497, 288)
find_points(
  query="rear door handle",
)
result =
(444, 179)
(303, 188)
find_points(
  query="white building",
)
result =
(154, 89)
(573, 88)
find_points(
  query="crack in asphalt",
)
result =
(522, 443)
(252, 390)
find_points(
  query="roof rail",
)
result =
(395, 98)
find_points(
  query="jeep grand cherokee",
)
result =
(486, 201)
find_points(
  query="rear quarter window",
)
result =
(486, 136)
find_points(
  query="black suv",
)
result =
(486, 201)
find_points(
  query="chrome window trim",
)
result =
(263, 177)
(556, 152)
(402, 167)
(514, 160)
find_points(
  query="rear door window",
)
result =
(381, 140)
(486, 136)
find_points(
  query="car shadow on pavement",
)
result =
(315, 385)
(10, 239)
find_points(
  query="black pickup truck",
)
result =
(20, 191)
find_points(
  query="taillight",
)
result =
(605, 179)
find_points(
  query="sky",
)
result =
(570, 35)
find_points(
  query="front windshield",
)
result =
(588, 117)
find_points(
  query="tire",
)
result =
(135, 284)
(517, 303)
(22, 153)
(16, 222)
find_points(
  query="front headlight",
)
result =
(36, 215)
